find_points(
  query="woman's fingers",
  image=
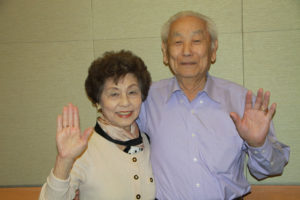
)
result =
(69, 120)
(65, 117)
(76, 118)
(87, 133)
(59, 125)
(70, 115)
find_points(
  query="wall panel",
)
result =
(42, 20)
(271, 15)
(273, 64)
(36, 80)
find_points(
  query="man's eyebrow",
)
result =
(200, 31)
(176, 34)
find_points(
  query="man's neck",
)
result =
(191, 86)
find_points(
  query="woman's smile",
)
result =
(124, 114)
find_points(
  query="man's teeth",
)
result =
(124, 113)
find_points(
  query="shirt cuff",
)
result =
(264, 151)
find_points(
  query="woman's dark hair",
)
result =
(116, 65)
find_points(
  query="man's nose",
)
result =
(187, 49)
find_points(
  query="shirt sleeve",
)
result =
(57, 189)
(141, 120)
(268, 159)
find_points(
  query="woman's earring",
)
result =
(98, 107)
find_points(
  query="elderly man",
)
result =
(201, 127)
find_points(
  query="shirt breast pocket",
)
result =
(224, 154)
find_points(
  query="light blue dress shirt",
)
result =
(196, 151)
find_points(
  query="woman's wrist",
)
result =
(62, 167)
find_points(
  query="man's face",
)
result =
(188, 51)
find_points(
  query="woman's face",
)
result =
(121, 102)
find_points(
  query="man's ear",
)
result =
(165, 53)
(214, 52)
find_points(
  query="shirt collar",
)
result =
(173, 87)
(209, 89)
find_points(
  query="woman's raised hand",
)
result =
(70, 141)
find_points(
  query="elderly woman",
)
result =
(110, 161)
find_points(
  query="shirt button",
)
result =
(197, 185)
(136, 177)
(195, 159)
(201, 101)
(193, 111)
(263, 151)
(151, 179)
(272, 163)
(255, 152)
(193, 134)
(138, 196)
(181, 101)
(134, 159)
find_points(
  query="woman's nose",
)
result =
(124, 101)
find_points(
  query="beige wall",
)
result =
(47, 46)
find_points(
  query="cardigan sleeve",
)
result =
(57, 189)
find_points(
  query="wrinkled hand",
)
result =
(77, 195)
(69, 140)
(253, 127)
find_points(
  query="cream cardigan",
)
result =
(105, 172)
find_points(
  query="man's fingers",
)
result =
(266, 101)
(272, 110)
(235, 118)
(259, 99)
(248, 104)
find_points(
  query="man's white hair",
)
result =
(210, 25)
